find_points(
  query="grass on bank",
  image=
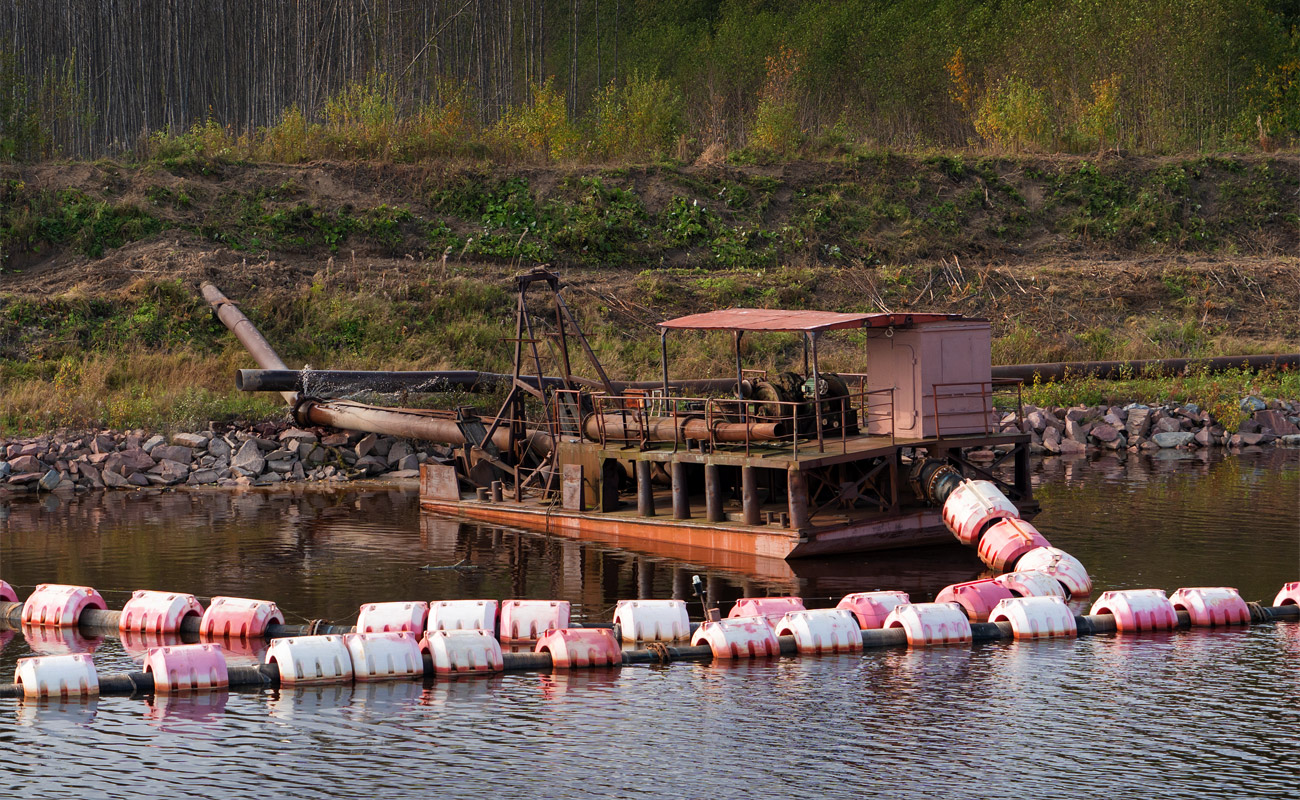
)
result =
(154, 356)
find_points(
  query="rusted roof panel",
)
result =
(769, 319)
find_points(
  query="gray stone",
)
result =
(382, 445)
(1076, 414)
(181, 455)
(270, 477)
(1114, 420)
(1105, 433)
(282, 465)
(282, 454)
(412, 462)
(1069, 446)
(114, 480)
(23, 464)
(366, 444)
(171, 471)
(5, 469)
(320, 454)
(219, 447)
(152, 443)
(1252, 404)
(1291, 440)
(1138, 423)
(398, 451)
(193, 441)
(137, 479)
(372, 465)
(1167, 425)
(1204, 437)
(1274, 422)
(404, 473)
(298, 435)
(1192, 409)
(334, 440)
(1119, 444)
(49, 480)
(1249, 426)
(265, 445)
(1076, 430)
(298, 474)
(103, 443)
(1168, 439)
(248, 461)
(1052, 439)
(204, 476)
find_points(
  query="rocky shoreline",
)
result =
(1138, 427)
(269, 454)
(260, 455)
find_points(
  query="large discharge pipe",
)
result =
(318, 380)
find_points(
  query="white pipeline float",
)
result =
(460, 637)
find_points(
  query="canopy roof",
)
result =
(768, 319)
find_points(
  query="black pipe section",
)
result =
(1112, 370)
(320, 382)
(324, 382)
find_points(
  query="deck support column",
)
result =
(798, 492)
(713, 493)
(645, 498)
(749, 495)
(681, 493)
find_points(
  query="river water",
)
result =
(1188, 714)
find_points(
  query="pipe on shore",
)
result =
(309, 380)
(615, 425)
(1112, 370)
(133, 683)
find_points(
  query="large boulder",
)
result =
(1167, 439)
(248, 461)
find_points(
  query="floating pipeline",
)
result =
(907, 624)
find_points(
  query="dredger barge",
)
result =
(755, 465)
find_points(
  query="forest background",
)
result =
(600, 79)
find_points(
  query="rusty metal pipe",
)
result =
(409, 423)
(669, 429)
(1111, 370)
(247, 334)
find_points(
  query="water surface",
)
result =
(1188, 714)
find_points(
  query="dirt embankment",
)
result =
(1069, 257)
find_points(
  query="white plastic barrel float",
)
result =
(1007, 540)
(972, 506)
(1211, 606)
(238, 618)
(1036, 617)
(931, 623)
(1289, 595)
(1138, 610)
(463, 615)
(385, 656)
(58, 605)
(65, 676)
(580, 647)
(871, 609)
(527, 620)
(738, 637)
(158, 612)
(1062, 566)
(1031, 583)
(976, 598)
(824, 630)
(652, 620)
(459, 651)
(394, 616)
(187, 667)
(311, 659)
(773, 608)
